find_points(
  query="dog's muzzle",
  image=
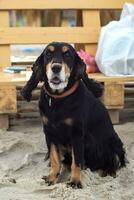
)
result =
(56, 69)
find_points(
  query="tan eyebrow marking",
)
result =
(51, 48)
(64, 49)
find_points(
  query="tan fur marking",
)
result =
(45, 119)
(51, 48)
(75, 170)
(64, 49)
(55, 163)
(66, 68)
(48, 66)
(68, 121)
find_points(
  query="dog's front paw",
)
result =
(75, 184)
(48, 180)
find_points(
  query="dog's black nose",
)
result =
(56, 68)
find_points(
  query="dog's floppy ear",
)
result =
(95, 87)
(37, 68)
(36, 77)
(80, 67)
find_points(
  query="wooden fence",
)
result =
(86, 34)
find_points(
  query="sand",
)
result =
(22, 164)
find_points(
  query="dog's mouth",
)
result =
(55, 80)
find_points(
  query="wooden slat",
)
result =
(12, 79)
(102, 78)
(45, 35)
(4, 19)
(4, 49)
(4, 56)
(61, 4)
(91, 19)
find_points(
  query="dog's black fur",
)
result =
(91, 135)
(38, 75)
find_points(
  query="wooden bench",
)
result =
(87, 35)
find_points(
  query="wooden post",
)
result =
(114, 94)
(113, 99)
(8, 103)
(91, 18)
(4, 49)
(4, 121)
(4, 62)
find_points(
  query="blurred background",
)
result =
(21, 54)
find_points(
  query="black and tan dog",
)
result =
(76, 124)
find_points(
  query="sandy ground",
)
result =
(22, 153)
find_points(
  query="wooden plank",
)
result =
(102, 78)
(79, 23)
(24, 106)
(45, 35)
(60, 4)
(4, 56)
(90, 48)
(4, 121)
(8, 99)
(91, 19)
(4, 19)
(113, 94)
(13, 79)
(4, 49)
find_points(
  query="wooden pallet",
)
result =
(113, 96)
(87, 35)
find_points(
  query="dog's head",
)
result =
(58, 65)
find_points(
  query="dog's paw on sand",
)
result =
(75, 184)
(49, 181)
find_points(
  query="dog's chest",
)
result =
(59, 130)
(60, 111)
(60, 120)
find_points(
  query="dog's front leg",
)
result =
(55, 166)
(77, 164)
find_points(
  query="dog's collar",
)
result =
(64, 94)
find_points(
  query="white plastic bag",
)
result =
(115, 53)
